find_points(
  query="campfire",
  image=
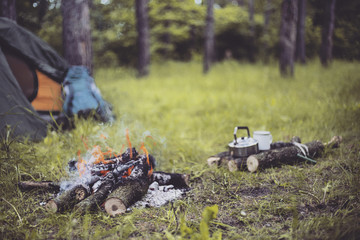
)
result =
(111, 181)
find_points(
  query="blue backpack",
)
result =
(82, 96)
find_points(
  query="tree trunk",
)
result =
(267, 14)
(77, 33)
(288, 36)
(125, 195)
(142, 25)
(8, 9)
(209, 36)
(300, 36)
(251, 15)
(327, 33)
(240, 3)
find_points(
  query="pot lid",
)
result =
(243, 142)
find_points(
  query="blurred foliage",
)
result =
(177, 29)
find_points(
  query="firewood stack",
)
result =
(113, 184)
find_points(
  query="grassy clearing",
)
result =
(190, 117)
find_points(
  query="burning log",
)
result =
(46, 186)
(175, 179)
(288, 155)
(125, 195)
(68, 199)
(94, 202)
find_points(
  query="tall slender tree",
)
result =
(267, 14)
(8, 9)
(327, 33)
(300, 54)
(209, 36)
(77, 43)
(143, 38)
(289, 14)
(251, 15)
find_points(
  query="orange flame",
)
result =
(128, 172)
(143, 148)
(129, 143)
(148, 136)
(81, 166)
(84, 142)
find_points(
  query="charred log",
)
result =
(175, 179)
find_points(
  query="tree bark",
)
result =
(142, 25)
(288, 36)
(8, 9)
(77, 33)
(68, 199)
(125, 195)
(300, 54)
(327, 33)
(209, 36)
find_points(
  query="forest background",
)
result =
(243, 31)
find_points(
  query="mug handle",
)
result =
(271, 139)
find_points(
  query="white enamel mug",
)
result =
(264, 138)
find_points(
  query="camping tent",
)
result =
(31, 77)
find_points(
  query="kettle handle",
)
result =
(237, 128)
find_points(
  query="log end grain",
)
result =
(252, 163)
(232, 166)
(213, 161)
(51, 206)
(114, 206)
(81, 193)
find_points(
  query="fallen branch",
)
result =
(42, 186)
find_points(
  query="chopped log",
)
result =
(287, 155)
(46, 186)
(125, 195)
(236, 164)
(176, 179)
(94, 201)
(68, 199)
(215, 160)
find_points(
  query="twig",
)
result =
(14, 209)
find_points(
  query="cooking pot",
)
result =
(243, 146)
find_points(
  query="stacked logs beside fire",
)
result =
(113, 184)
(280, 153)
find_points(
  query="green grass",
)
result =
(190, 117)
